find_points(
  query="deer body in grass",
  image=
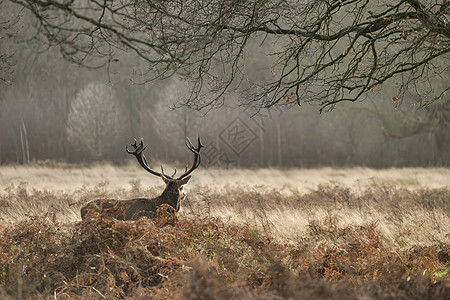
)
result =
(133, 209)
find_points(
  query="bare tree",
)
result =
(407, 121)
(96, 120)
(166, 117)
(318, 51)
(8, 19)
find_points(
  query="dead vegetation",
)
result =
(206, 258)
(383, 242)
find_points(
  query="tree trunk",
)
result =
(261, 148)
(24, 143)
(134, 111)
(280, 162)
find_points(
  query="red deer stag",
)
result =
(133, 209)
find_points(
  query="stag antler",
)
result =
(138, 150)
(196, 151)
(138, 153)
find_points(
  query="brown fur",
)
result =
(133, 209)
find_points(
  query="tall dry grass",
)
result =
(409, 205)
(406, 216)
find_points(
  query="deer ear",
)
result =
(165, 179)
(184, 181)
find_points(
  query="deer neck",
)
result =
(171, 196)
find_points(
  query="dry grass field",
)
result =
(326, 233)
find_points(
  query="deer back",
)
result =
(131, 209)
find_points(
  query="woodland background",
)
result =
(51, 109)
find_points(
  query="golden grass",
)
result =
(275, 200)
(72, 178)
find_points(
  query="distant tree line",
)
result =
(82, 120)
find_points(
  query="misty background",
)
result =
(51, 109)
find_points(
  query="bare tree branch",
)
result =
(321, 52)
